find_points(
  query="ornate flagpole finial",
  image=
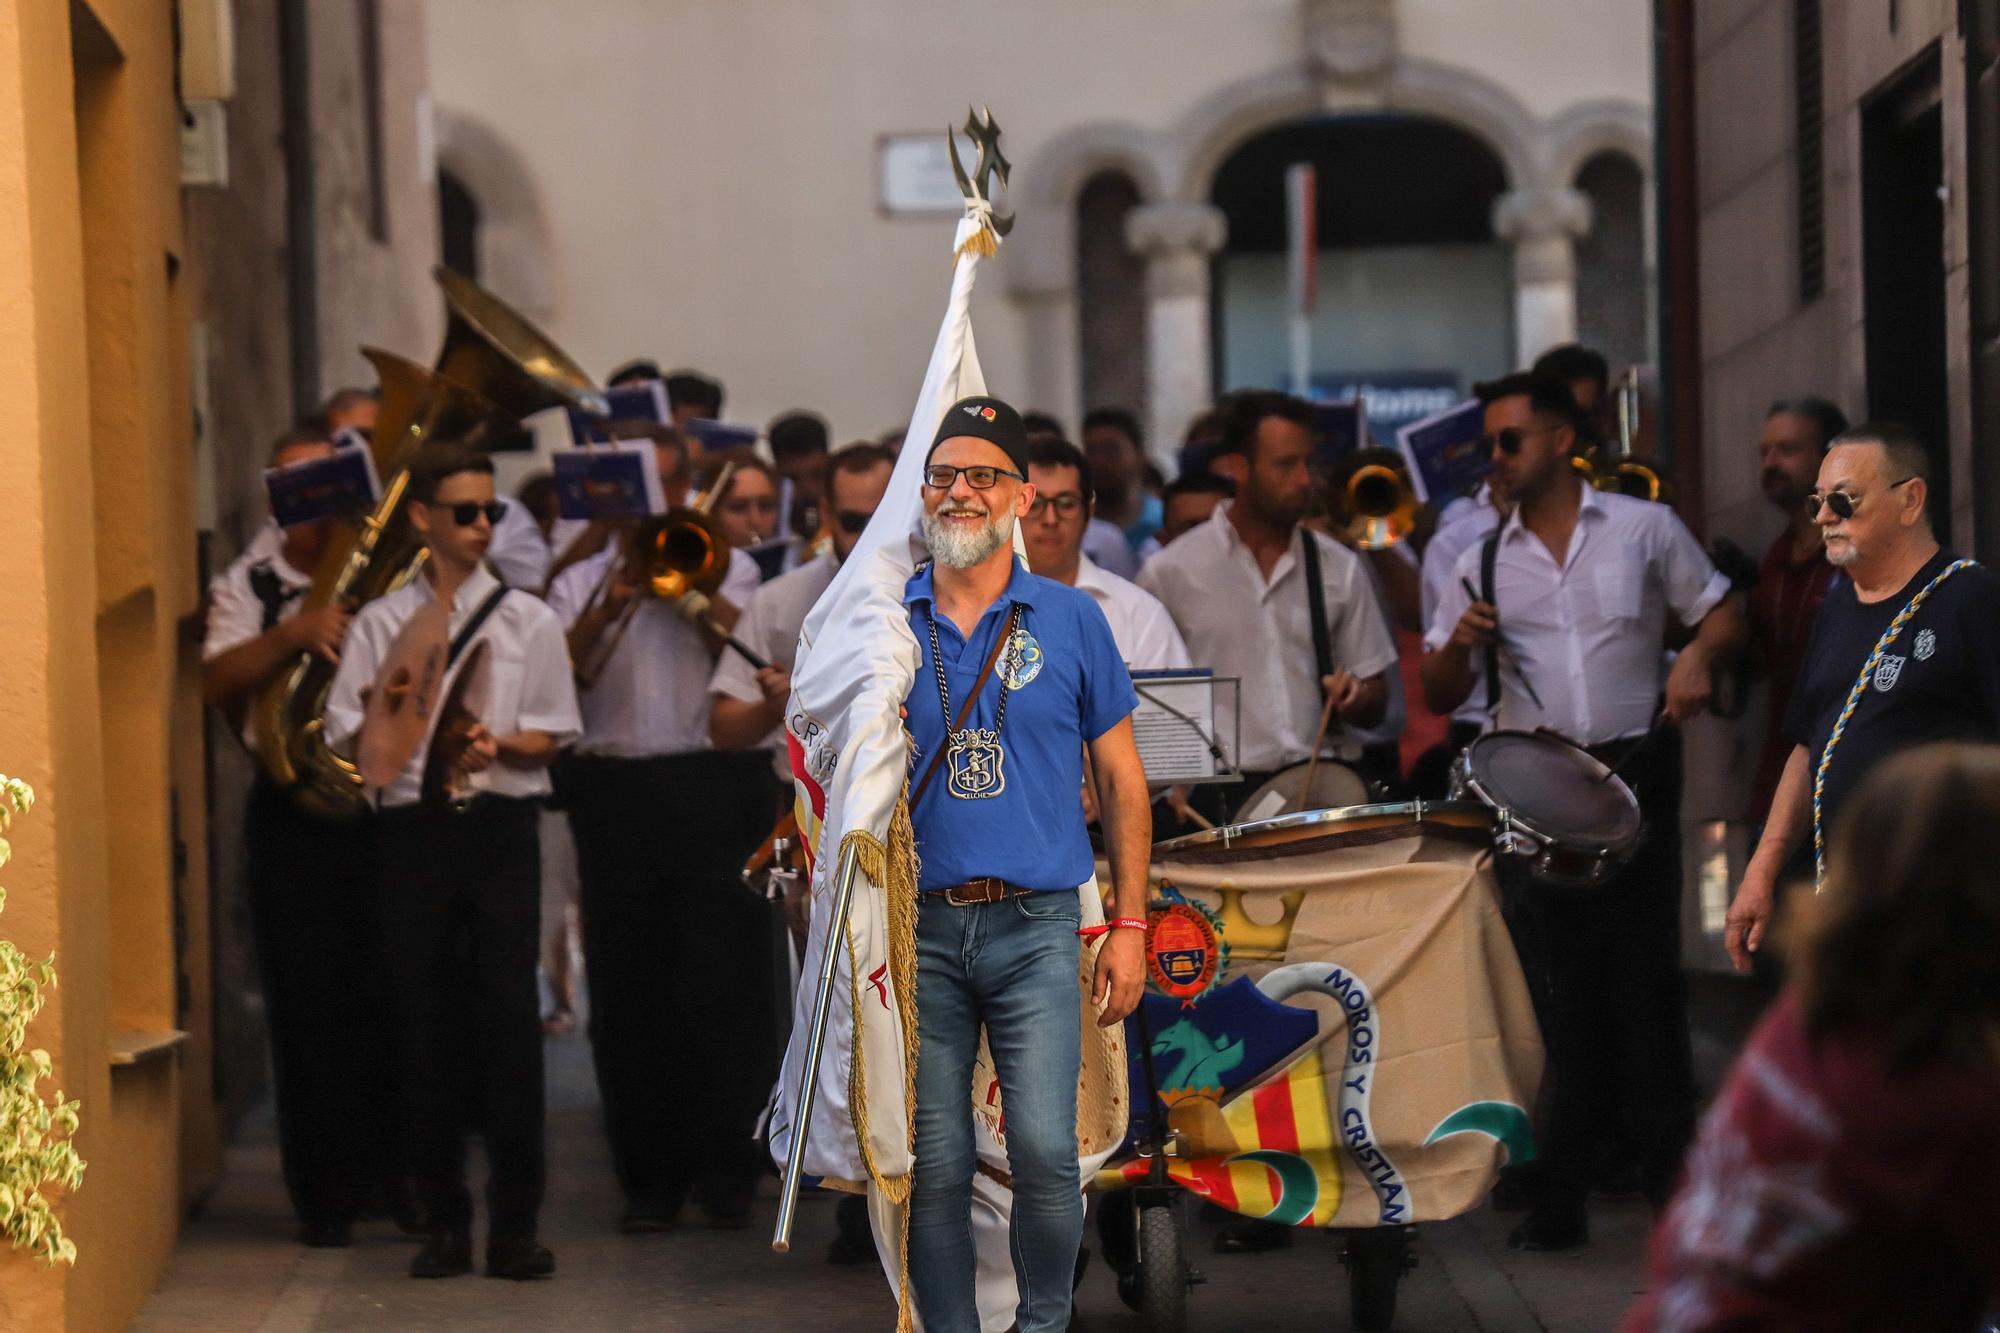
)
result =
(977, 187)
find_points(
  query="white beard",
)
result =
(961, 549)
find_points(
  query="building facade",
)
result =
(166, 316)
(743, 188)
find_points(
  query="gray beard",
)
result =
(963, 550)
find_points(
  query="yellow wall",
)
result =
(96, 578)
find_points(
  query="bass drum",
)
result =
(1335, 785)
(1567, 815)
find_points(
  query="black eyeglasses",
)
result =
(851, 520)
(1509, 440)
(1065, 504)
(943, 476)
(1842, 503)
(465, 515)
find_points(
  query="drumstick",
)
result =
(1312, 766)
(1512, 660)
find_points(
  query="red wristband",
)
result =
(1123, 922)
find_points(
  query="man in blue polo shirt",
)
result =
(1020, 676)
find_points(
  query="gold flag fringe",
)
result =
(894, 869)
(984, 243)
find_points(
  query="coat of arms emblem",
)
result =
(1925, 646)
(1888, 671)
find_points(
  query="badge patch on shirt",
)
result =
(1021, 660)
(1888, 671)
(1925, 646)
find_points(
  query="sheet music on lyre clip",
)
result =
(1187, 725)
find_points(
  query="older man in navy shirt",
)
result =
(1020, 676)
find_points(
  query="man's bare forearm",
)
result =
(1446, 673)
(1790, 820)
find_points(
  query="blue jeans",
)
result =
(1010, 965)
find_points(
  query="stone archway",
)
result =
(516, 249)
(1176, 230)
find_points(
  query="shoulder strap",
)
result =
(471, 627)
(965, 709)
(1316, 604)
(1489, 556)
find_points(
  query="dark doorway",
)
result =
(458, 226)
(1902, 263)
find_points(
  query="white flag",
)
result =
(856, 661)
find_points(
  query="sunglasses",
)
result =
(1509, 440)
(851, 520)
(1065, 504)
(943, 476)
(465, 515)
(1842, 503)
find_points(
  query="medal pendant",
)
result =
(974, 765)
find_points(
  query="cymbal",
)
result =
(466, 701)
(397, 716)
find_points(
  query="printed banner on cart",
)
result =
(1340, 1031)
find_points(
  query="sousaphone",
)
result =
(495, 367)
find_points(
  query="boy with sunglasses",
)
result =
(460, 885)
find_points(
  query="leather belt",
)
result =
(986, 889)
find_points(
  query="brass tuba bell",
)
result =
(494, 367)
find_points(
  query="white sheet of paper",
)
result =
(1175, 748)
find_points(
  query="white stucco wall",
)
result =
(705, 169)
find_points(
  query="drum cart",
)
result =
(1144, 1230)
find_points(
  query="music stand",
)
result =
(1187, 726)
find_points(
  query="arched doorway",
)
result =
(1415, 294)
(458, 225)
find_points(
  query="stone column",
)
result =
(1543, 225)
(1039, 261)
(1177, 241)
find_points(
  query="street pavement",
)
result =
(239, 1268)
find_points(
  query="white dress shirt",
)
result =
(236, 614)
(530, 688)
(1587, 633)
(771, 625)
(1146, 635)
(1239, 624)
(1464, 523)
(519, 553)
(650, 697)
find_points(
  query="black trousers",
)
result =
(461, 919)
(1605, 965)
(682, 1000)
(312, 898)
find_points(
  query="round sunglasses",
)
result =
(1843, 503)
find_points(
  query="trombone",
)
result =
(1379, 506)
(681, 557)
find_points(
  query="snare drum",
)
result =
(1454, 817)
(1556, 807)
(1335, 785)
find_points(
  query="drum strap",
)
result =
(460, 640)
(1316, 604)
(1489, 557)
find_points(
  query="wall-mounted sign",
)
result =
(913, 175)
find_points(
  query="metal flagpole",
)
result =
(795, 1160)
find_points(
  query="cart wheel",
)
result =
(1376, 1260)
(1162, 1276)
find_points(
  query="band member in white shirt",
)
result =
(1240, 587)
(309, 890)
(677, 952)
(1582, 584)
(1053, 533)
(460, 881)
